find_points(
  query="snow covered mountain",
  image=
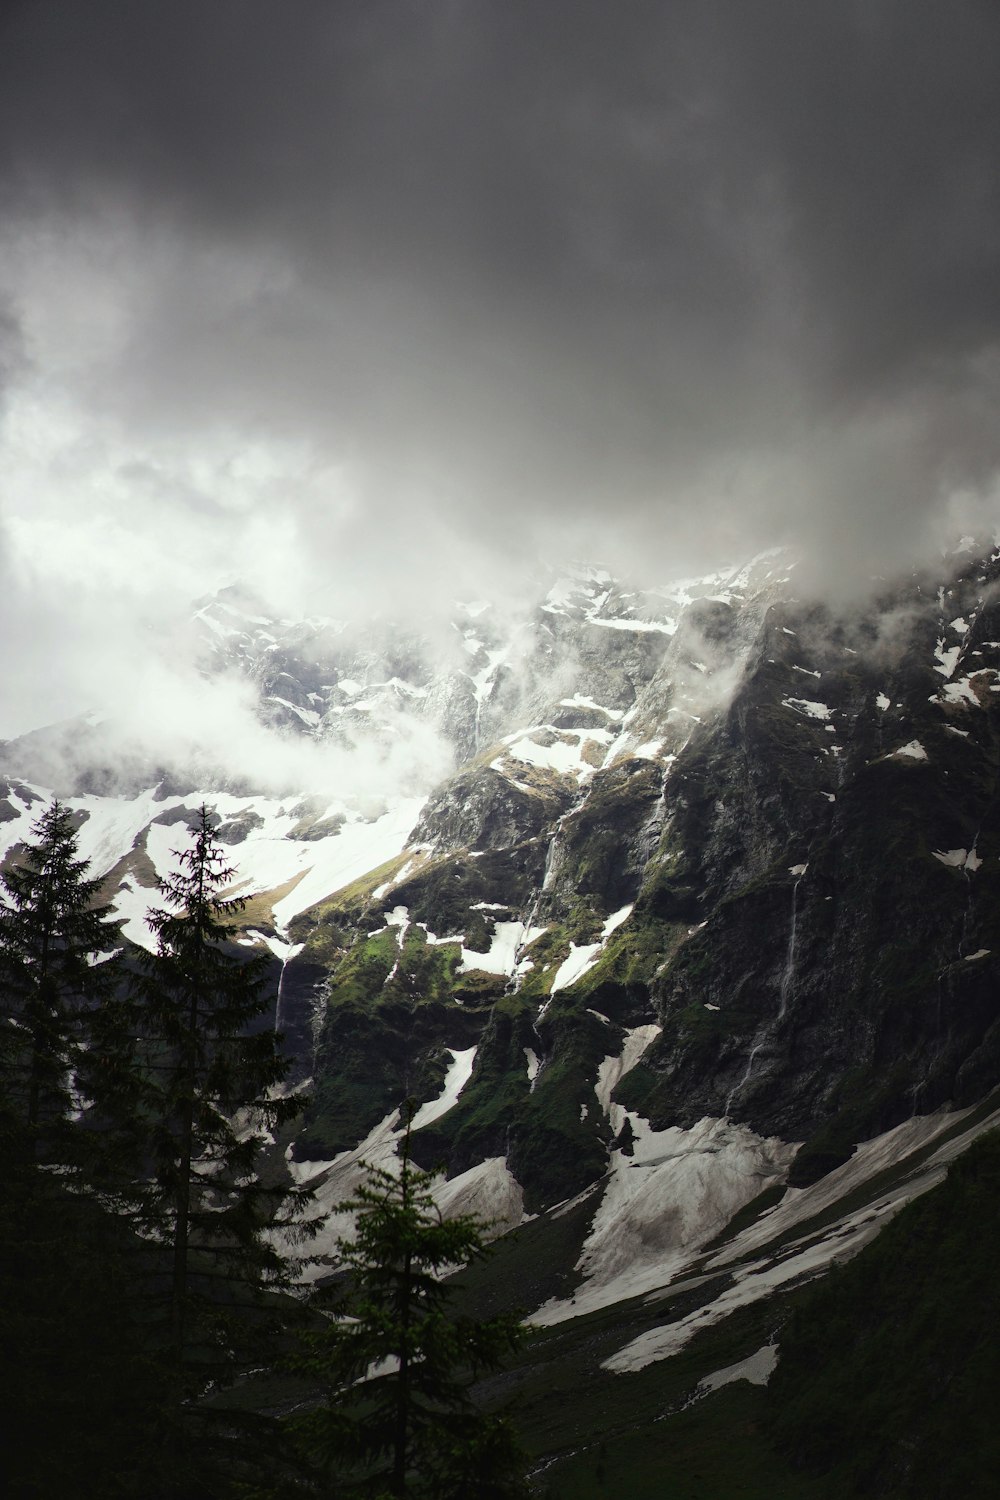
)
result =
(691, 956)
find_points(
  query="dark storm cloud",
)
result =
(716, 268)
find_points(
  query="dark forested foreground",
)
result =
(141, 1257)
(145, 1265)
(886, 1384)
(151, 1346)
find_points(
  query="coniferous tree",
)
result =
(397, 1359)
(159, 1099)
(56, 971)
(212, 1077)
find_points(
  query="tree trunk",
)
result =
(178, 1290)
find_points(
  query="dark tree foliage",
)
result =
(398, 1361)
(211, 1076)
(89, 1402)
(56, 939)
(148, 1268)
(80, 1390)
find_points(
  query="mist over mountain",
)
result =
(673, 908)
(472, 285)
(531, 472)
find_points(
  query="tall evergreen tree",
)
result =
(171, 1085)
(398, 1360)
(56, 942)
(212, 1095)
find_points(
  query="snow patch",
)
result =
(661, 627)
(959, 859)
(946, 658)
(960, 692)
(580, 700)
(615, 920)
(912, 751)
(399, 918)
(575, 965)
(308, 716)
(502, 956)
(614, 1067)
(805, 706)
(280, 949)
(566, 754)
(458, 1074)
(757, 1368)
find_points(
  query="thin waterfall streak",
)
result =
(738, 1087)
(968, 870)
(786, 989)
(279, 997)
(789, 971)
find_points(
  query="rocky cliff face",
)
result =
(716, 866)
(762, 825)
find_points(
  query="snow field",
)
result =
(756, 1275)
(269, 859)
(676, 1191)
(266, 860)
(131, 903)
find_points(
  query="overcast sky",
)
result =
(378, 299)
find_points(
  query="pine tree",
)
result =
(397, 1359)
(159, 1096)
(56, 939)
(212, 1095)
